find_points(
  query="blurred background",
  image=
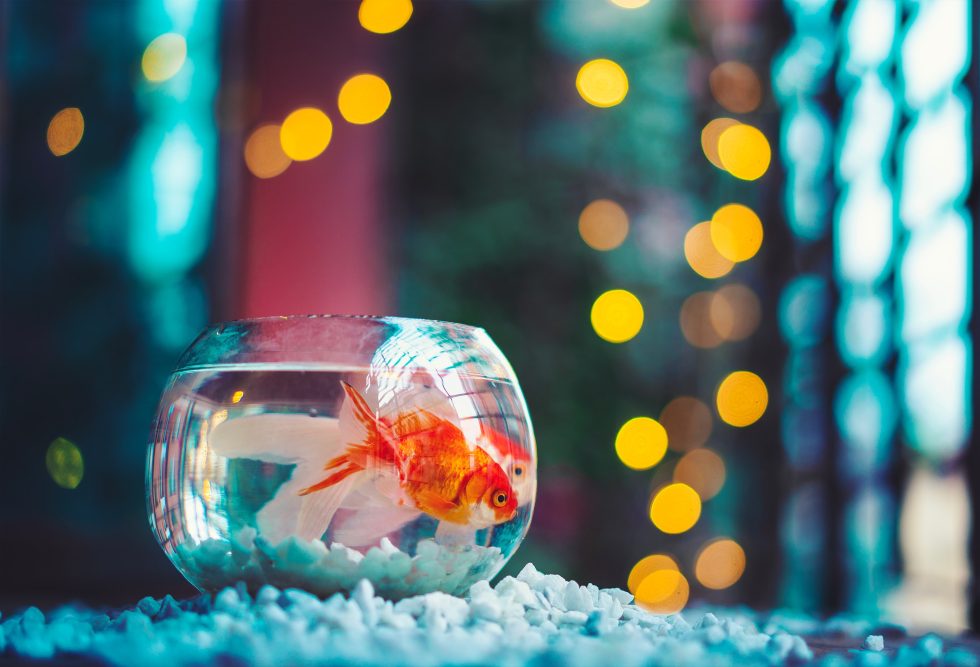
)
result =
(726, 245)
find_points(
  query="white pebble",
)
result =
(874, 643)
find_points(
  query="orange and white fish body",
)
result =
(433, 467)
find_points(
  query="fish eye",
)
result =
(500, 499)
(518, 470)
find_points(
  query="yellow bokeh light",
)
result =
(688, 423)
(709, 138)
(702, 470)
(719, 564)
(742, 398)
(264, 156)
(237, 396)
(384, 16)
(663, 592)
(630, 4)
(702, 255)
(736, 232)
(603, 225)
(735, 312)
(64, 463)
(363, 99)
(735, 86)
(675, 508)
(164, 56)
(744, 152)
(617, 316)
(602, 83)
(65, 131)
(647, 566)
(696, 322)
(305, 134)
(641, 443)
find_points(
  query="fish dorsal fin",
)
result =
(419, 396)
(419, 422)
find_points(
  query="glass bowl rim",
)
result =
(342, 316)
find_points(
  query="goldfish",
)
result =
(437, 471)
(386, 470)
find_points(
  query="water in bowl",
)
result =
(266, 474)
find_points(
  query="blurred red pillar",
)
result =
(314, 241)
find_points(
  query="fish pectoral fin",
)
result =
(432, 500)
(451, 534)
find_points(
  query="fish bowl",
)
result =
(316, 451)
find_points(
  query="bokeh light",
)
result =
(603, 225)
(305, 133)
(617, 316)
(65, 464)
(237, 396)
(164, 56)
(641, 443)
(363, 99)
(696, 322)
(702, 470)
(736, 232)
(663, 592)
(688, 423)
(630, 4)
(263, 152)
(384, 16)
(744, 152)
(65, 131)
(735, 312)
(710, 136)
(675, 508)
(742, 398)
(702, 255)
(719, 564)
(735, 86)
(647, 566)
(602, 83)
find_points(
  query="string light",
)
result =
(65, 131)
(641, 443)
(617, 316)
(163, 57)
(696, 322)
(305, 134)
(703, 470)
(736, 232)
(384, 16)
(602, 83)
(709, 138)
(663, 592)
(701, 254)
(735, 312)
(675, 508)
(603, 225)
(688, 423)
(744, 152)
(720, 564)
(363, 99)
(65, 463)
(630, 4)
(647, 566)
(742, 398)
(263, 152)
(735, 86)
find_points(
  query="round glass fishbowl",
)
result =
(312, 452)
